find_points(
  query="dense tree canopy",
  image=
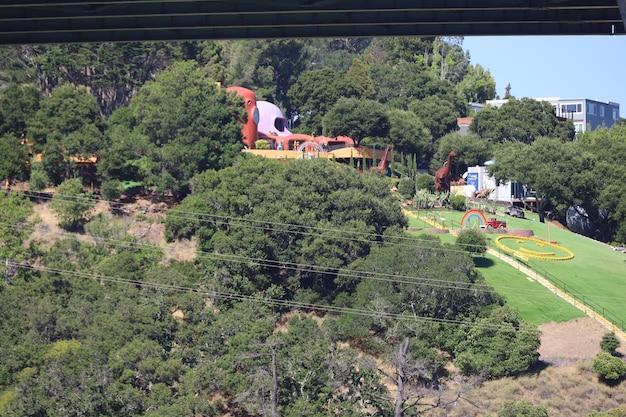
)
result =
(314, 93)
(304, 281)
(14, 159)
(470, 149)
(177, 126)
(478, 85)
(19, 105)
(521, 121)
(358, 119)
(293, 197)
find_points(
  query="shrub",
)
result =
(72, 205)
(262, 144)
(457, 202)
(499, 345)
(522, 408)
(38, 178)
(609, 367)
(425, 182)
(472, 241)
(609, 343)
(111, 189)
(406, 187)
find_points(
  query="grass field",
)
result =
(596, 275)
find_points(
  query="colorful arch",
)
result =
(473, 214)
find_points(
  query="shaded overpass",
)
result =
(69, 21)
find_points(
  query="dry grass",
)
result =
(144, 219)
(566, 390)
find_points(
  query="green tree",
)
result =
(559, 172)
(19, 105)
(72, 205)
(13, 159)
(313, 95)
(425, 182)
(498, 345)
(609, 367)
(470, 149)
(67, 111)
(609, 343)
(478, 85)
(38, 177)
(14, 229)
(112, 71)
(437, 114)
(319, 194)
(449, 61)
(406, 187)
(608, 146)
(358, 76)
(358, 119)
(472, 241)
(522, 121)
(190, 125)
(408, 134)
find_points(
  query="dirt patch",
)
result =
(144, 218)
(571, 341)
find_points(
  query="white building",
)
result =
(480, 182)
(586, 114)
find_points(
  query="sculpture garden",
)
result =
(593, 272)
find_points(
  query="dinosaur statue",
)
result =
(442, 176)
(384, 162)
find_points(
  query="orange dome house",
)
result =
(249, 131)
(266, 121)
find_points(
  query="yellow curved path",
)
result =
(533, 275)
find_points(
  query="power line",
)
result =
(392, 278)
(265, 225)
(269, 300)
(303, 267)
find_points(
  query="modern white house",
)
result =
(586, 114)
(481, 183)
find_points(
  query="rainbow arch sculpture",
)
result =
(473, 214)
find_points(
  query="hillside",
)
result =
(563, 381)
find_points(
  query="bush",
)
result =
(425, 182)
(472, 241)
(406, 187)
(262, 144)
(522, 408)
(609, 367)
(72, 205)
(38, 178)
(499, 345)
(609, 343)
(457, 202)
(111, 189)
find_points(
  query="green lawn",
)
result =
(596, 275)
(532, 300)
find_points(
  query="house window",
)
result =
(615, 114)
(601, 111)
(592, 109)
(571, 108)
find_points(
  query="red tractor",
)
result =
(494, 223)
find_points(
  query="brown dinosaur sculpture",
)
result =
(442, 176)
